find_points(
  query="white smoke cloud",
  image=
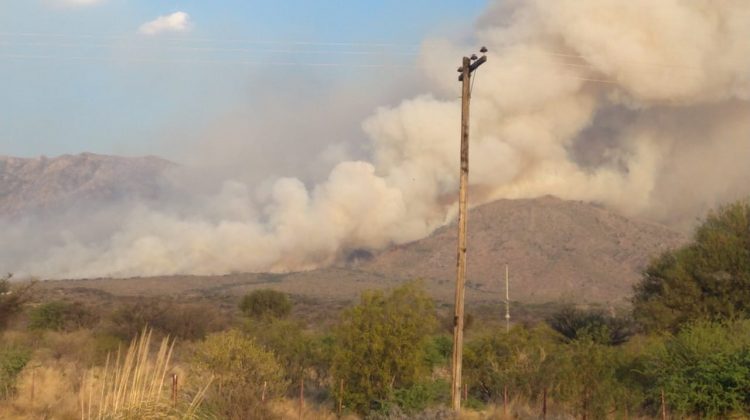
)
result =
(637, 104)
(175, 22)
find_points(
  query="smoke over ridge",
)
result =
(641, 105)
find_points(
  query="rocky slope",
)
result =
(556, 250)
(46, 184)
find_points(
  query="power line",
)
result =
(209, 40)
(31, 57)
(210, 49)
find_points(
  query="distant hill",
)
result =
(556, 250)
(46, 184)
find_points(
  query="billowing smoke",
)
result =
(641, 105)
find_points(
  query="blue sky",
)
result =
(87, 75)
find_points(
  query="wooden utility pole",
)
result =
(466, 69)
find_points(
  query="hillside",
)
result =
(556, 249)
(46, 184)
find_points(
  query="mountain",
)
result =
(45, 184)
(556, 250)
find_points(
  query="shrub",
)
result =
(704, 370)
(12, 299)
(380, 345)
(709, 279)
(575, 324)
(242, 371)
(60, 316)
(517, 360)
(12, 361)
(188, 321)
(266, 303)
(300, 352)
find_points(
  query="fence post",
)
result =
(301, 396)
(505, 401)
(174, 390)
(663, 406)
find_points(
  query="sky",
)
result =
(136, 77)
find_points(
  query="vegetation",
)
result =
(135, 386)
(245, 375)
(12, 361)
(381, 345)
(60, 316)
(266, 303)
(709, 279)
(12, 299)
(684, 348)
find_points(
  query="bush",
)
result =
(575, 324)
(422, 395)
(518, 360)
(12, 299)
(187, 321)
(12, 362)
(60, 316)
(709, 279)
(704, 371)
(380, 345)
(240, 368)
(266, 303)
(300, 352)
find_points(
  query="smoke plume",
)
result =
(640, 105)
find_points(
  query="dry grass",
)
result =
(134, 386)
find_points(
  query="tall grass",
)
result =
(134, 386)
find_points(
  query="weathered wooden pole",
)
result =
(466, 69)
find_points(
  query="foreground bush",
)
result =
(704, 370)
(244, 375)
(381, 346)
(12, 361)
(709, 279)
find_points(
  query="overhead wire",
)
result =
(375, 49)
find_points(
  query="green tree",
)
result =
(704, 371)
(266, 303)
(575, 324)
(709, 279)
(380, 345)
(243, 371)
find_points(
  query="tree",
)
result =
(575, 324)
(516, 360)
(704, 371)
(12, 299)
(242, 372)
(300, 352)
(708, 279)
(380, 345)
(266, 303)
